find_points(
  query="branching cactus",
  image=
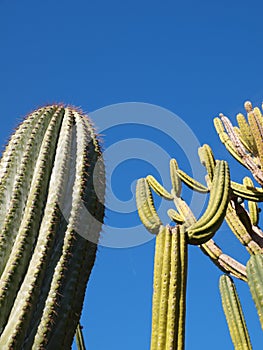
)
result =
(229, 200)
(51, 212)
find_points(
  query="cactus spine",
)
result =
(47, 240)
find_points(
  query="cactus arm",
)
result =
(205, 228)
(241, 229)
(252, 206)
(225, 139)
(184, 211)
(158, 188)
(146, 209)
(192, 183)
(234, 314)
(157, 282)
(207, 159)
(255, 282)
(257, 131)
(252, 193)
(176, 182)
(176, 217)
(223, 261)
(246, 135)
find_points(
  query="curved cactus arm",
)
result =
(176, 217)
(158, 188)
(206, 157)
(176, 181)
(79, 338)
(145, 206)
(255, 282)
(251, 193)
(205, 227)
(223, 261)
(192, 183)
(234, 314)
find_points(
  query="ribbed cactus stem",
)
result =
(169, 297)
(51, 218)
(255, 282)
(234, 314)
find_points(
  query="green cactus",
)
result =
(51, 213)
(229, 200)
(255, 282)
(169, 296)
(234, 314)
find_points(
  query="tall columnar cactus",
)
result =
(236, 203)
(51, 212)
(170, 265)
(234, 314)
(255, 282)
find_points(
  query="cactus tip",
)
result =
(248, 106)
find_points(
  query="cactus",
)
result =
(236, 203)
(234, 314)
(51, 213)
(255, 282)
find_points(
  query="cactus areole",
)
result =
(52, 186)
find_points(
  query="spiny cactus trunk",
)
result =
(51, 213)
(234, 314)
(169, 297)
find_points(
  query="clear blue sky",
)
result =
(195, 59)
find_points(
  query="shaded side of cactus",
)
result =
(255, 282)
(51, 212)
(234, 314)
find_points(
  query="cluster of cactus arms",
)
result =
(51, 214)
(233, 202)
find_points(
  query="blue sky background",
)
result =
(195, 59)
